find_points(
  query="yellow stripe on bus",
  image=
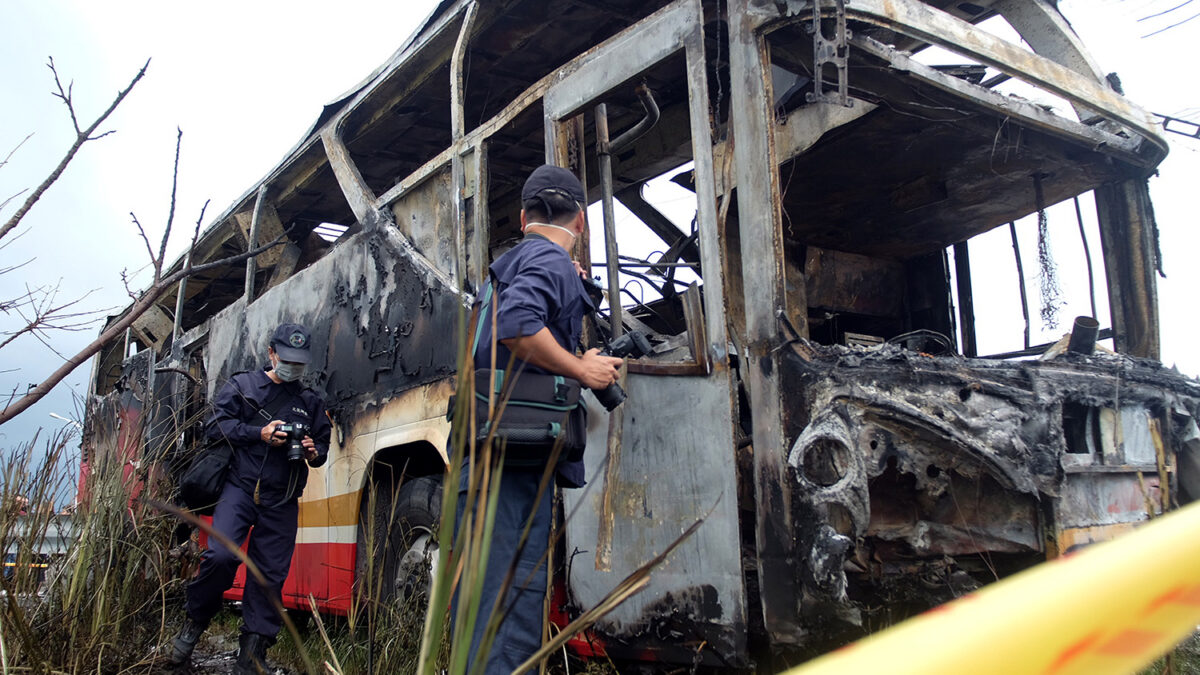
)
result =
(1111, 608)
(337, 511)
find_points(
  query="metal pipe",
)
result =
(1087, 255)
(1083, 335)
(252, 242)
(1012, 230)
(645, 124)
(604, 150)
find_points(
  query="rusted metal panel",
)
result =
(669, 476)
(656, 37)
(1047, 31)
(1127, 236)
(1035, 116)
(270, 227)
(765, 299)
(715, 342)
(427, 216)
(853, 283)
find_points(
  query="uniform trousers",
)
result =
(272, 542)
(520, 634)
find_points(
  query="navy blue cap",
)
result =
(553, 178)
(290, 342)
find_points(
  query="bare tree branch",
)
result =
(125, 282)
(12, 197)
(196, 232)
(145, 239)
(117, 329)
(81, 137)
(65, 96)
(13, 152)
(13, 268)
(46, 316)
(12, 395)
(162, 247)
(4, 244)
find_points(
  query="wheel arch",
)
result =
(392, 464)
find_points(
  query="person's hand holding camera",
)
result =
(271, 435)
(598, 371)
(310, 448)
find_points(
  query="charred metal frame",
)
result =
(766, 299)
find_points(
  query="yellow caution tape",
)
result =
(1112, 608)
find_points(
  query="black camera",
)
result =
(296, 431)
(632, 344)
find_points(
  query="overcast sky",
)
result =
(245, 80)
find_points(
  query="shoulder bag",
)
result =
(533, 412)
(201, 484)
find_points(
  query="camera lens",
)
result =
(611, 396)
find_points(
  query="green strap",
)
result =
(487, 297)
(516, 402)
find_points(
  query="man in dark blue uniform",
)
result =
(540, 306)
(266, 477)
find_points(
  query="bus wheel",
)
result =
(405, 551)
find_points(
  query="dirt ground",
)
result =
(217, 653)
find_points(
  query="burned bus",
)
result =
(813, 391)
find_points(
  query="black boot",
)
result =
(252, 653)
(185, 642)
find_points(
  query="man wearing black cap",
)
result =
(261, 491)
(540, 304)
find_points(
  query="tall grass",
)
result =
(100, 603)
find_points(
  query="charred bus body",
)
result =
(844, 467)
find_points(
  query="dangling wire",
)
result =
(1051, 293)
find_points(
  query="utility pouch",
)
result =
(201, 485)
(533, 412)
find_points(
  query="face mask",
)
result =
(557, 227)
(289, 372)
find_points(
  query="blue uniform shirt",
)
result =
(238, 417)
(538, 288)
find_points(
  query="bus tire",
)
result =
(403, 554)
